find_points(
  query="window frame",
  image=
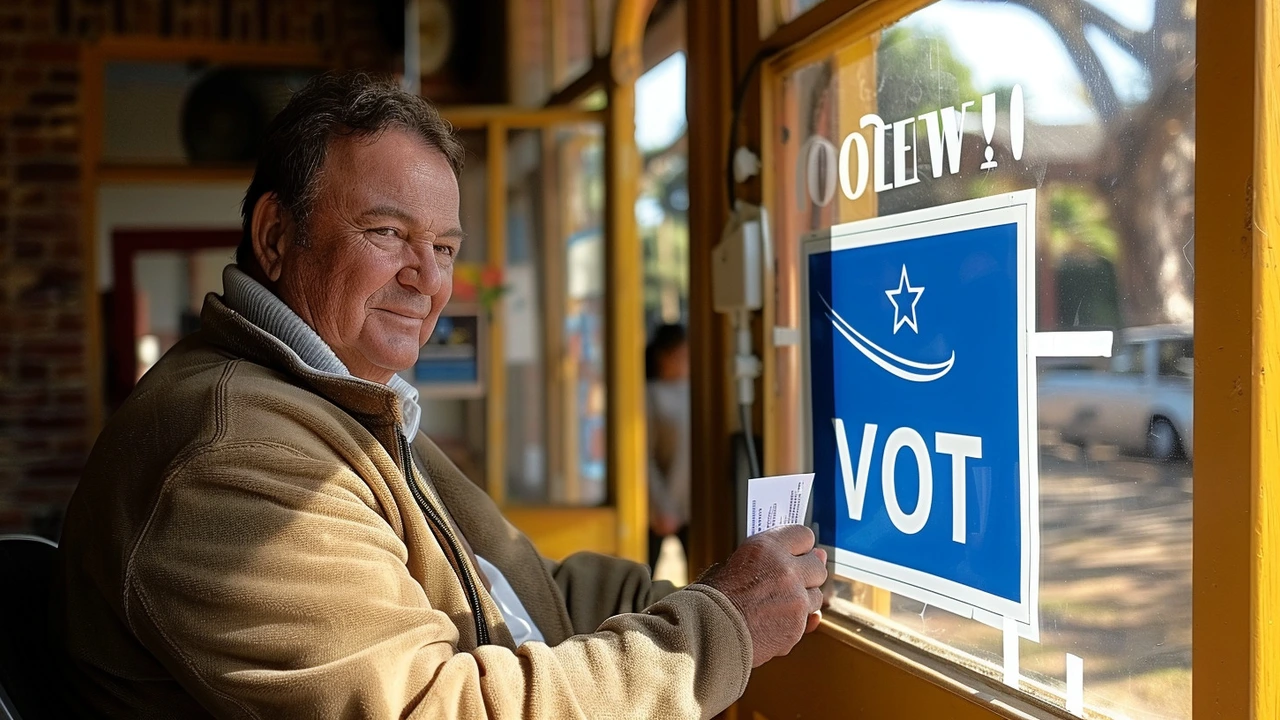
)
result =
(1236, 649)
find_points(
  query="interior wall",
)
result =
(202, 206)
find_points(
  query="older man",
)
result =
(262, 532)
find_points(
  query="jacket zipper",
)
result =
(433, 517)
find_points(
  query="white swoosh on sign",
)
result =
(894, 364)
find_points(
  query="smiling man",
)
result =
(263, 532)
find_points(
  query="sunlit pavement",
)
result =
(1115, 584)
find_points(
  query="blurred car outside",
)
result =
(1139, 402)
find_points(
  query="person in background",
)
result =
(667, 404)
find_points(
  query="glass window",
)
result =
(1130, 359)
(555, 317)
(1108, 144)
(776, 13)
(1176, 358)
(662, 210)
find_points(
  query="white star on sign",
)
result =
(900, 317)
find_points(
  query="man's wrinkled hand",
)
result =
(775, 581)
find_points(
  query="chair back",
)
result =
(30, 685)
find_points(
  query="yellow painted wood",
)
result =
(625, 420)
(859, 19)
(470, 117)
(560, 532)
(496, 399)
(844, 671)
(1266, 378)
(1223, 529)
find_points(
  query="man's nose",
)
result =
(423, 273)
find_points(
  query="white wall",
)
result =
(132, 206)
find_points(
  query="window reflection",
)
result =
(1108, 140)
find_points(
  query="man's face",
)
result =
(377, 265)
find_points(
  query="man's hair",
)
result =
(665, 339)
(333, 105)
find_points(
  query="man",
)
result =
(261, 532)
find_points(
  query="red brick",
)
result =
(48, 172)
(25, 121)
(69, 145)
(70, 398)
(29, 371)
(27, 75)
(13, 24)
(28, 250)
(40, 223)
(68, 372)
(70, 322)
(52, 52)
(66, 248)
(49, 99)
(29, 145)
(28, 197)
(64, 75)
(53, 349)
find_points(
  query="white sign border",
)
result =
(1019, 208)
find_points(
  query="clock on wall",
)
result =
(435, 35)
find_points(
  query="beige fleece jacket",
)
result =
(253, 539)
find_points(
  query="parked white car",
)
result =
(1141, 403)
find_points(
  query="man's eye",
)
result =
(446, 249)
(385, 231)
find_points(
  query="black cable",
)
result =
(749, 435)
(739, 97)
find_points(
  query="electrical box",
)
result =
(737, 267)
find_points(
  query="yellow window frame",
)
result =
(1236, 581)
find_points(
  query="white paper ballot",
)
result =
(778, 500)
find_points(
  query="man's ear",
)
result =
(271, 235)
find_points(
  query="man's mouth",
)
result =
(407, 314)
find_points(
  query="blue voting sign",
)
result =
(922, 404)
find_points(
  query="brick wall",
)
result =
(43, 383)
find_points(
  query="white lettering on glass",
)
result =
(862, 155)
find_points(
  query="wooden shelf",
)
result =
(449, 391)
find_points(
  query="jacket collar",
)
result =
(373, 404)
(263, 308)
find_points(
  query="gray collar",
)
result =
(264, 309)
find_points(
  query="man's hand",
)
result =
(775, 581)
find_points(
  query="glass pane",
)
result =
(662, 210)
(1109, 146)
(554, 325)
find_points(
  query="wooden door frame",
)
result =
(1236, 526)
(125, 246)
(94, 57)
